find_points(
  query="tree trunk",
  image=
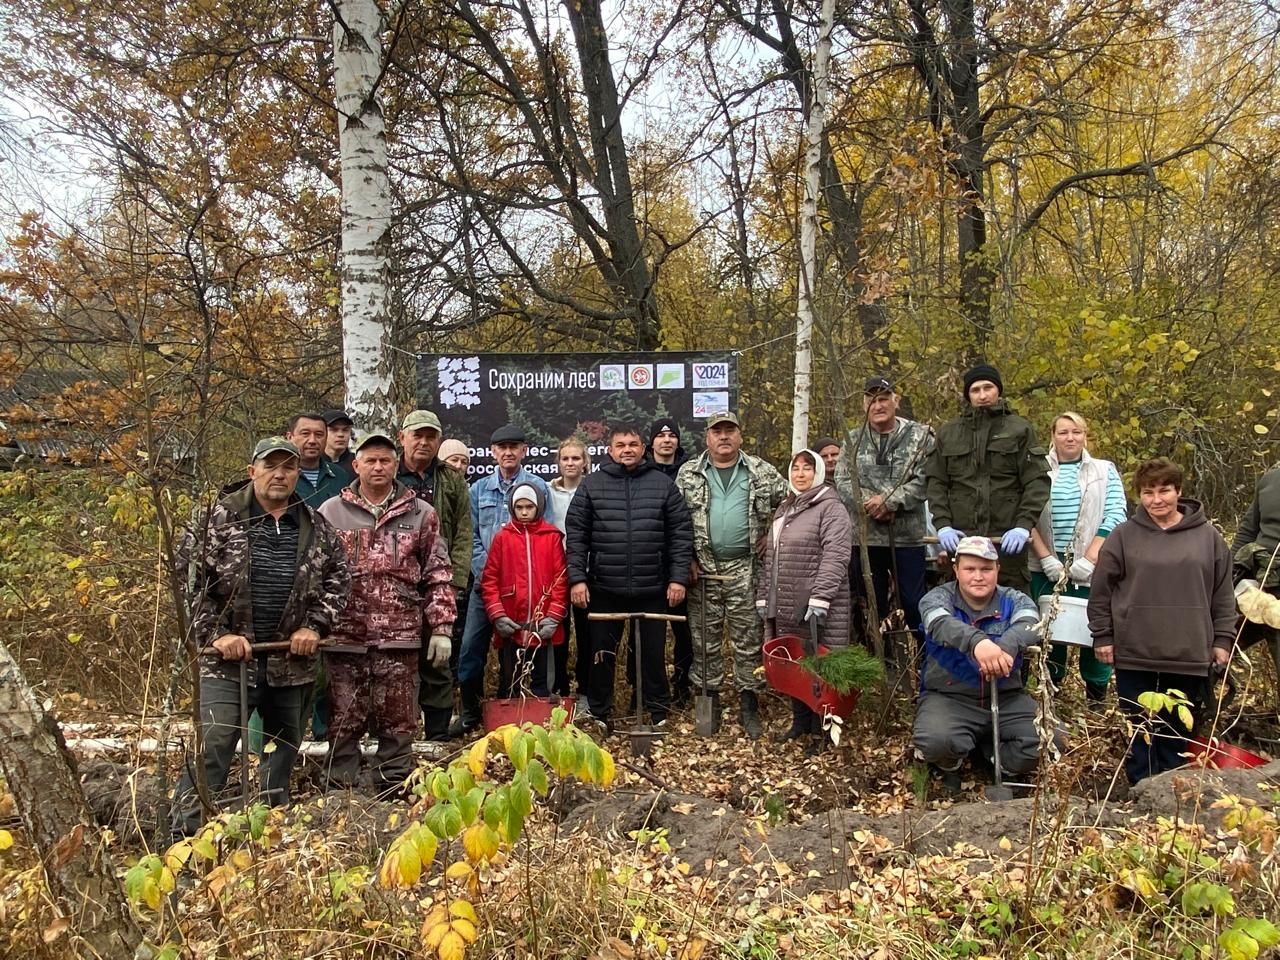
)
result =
(58, 821)
(610, 174)
(366, 213)
(815, 128)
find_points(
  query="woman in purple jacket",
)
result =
(805, 576)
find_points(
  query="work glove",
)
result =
(949, 538)
(1052, 567)
(506, 627)
(438, 649)
(1015, 541)
(1082, 571)
(816, 613)
(547, 629)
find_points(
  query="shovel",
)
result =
(642, 734)
(999, 791)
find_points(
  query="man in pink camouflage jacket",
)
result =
(401, 591)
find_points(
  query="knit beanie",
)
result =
(983, 371)
(664, 423)
(823, 442)
(452, 448)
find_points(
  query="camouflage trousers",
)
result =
(375, 691)
(719, 604)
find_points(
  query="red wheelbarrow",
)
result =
(783, 672)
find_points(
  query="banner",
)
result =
(554, 396)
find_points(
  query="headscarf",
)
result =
(819, 470)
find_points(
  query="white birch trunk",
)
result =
(366, 213)
(813, 131)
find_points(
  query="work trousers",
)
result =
(605, 636)
(375, 691)
(717, 605)
(912, 565)
(1168, 735)
(281, 711)
(949, 727)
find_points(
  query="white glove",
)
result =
(438, 650)
(1082, 571)
(1052, 567)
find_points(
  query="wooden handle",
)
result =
(674, 617)
(273, 646)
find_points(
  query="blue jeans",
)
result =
(281, 709)
(476, 640)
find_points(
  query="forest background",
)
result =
(1081, 192)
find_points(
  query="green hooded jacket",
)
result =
(987, 474)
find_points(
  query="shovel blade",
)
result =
(642, 741)
(998, 794)
(705, 721)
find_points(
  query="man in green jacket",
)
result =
(446, 490)
(988, 476)
(318, 477)
(731, 497)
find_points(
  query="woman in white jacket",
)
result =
(1086, 504)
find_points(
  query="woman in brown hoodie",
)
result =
(1161, 609)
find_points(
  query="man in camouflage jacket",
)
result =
(731, 498)
(891, 454)
(401, 592)
(261, 566)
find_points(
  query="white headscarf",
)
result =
(819, 471)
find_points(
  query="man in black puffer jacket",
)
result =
(629, 542)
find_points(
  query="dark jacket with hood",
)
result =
(987, 474)
(953, 629)
(524, 575)
(1163, 598)
(628, 531)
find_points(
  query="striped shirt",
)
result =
(273, 562)
(1064, 505)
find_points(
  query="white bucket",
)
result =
(1071, 625)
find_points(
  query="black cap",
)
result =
(877, 385)
(333, 416)
(823, 442)
(509, 433)
(983, 371)
(664, 423)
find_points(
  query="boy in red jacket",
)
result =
(526, 594)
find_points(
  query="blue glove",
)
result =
(949, 538)
(816, 613)
(1014, 541)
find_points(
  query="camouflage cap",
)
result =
(980, 547)
(366, 436)
(272, 445)
(417, 419)
(723, 416)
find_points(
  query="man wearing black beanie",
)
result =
(666, 453)
(988, 476)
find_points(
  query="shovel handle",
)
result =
(272, 646)
(672, 617)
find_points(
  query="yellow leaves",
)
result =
(477, 756)
(1140, 882)
(452, 947)
(1261, 429)
(6, 839)
(458, 871)
(219, 877)
(448, 930)
(480, 842)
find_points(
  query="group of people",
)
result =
(376, 548)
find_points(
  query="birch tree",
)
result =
(366, 211)
(815, 126)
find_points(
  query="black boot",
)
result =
(435, 723)
(817, 736)
(1095, 695)
(469, 716)
(801, 722)
(749, 714)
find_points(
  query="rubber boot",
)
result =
(818, 739)
(801, 722)
(435, 723)
(469, 716)
(749, 714)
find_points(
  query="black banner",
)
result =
(554, 396)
